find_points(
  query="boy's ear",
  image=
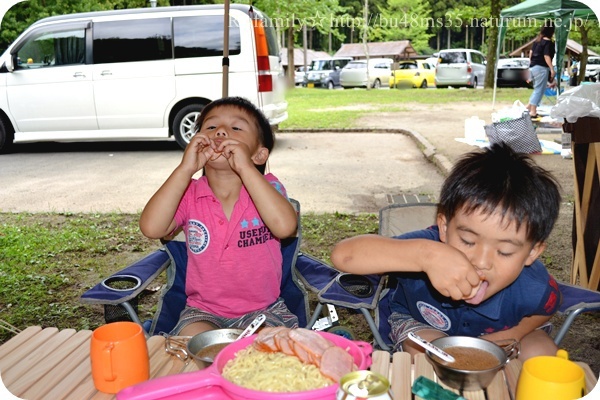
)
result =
(261, 156)
(535, 252)
(442, 224)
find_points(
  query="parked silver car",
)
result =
(460, 67)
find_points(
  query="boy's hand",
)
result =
(198, 152)
(452, 274)
(237, 154)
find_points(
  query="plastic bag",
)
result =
(508, 113)
(580, 101)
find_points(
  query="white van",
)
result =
(134, 74)
(354, 74)
(460, 67)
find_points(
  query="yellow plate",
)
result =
(311, 85)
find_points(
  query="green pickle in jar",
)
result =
(364, 385)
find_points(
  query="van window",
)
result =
(132, 40)
(320, 65)
(52, 48)
(477, 58)
(202, 36)
(453, 57)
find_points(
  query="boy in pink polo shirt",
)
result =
(233, 217)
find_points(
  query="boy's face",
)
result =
(497, 250)
(230, 122)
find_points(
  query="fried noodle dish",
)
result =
(288, 360)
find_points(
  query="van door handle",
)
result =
(105, 72)
(78, 75)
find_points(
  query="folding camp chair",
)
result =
(122, 303)
(397, 219)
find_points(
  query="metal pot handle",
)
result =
(511, 347)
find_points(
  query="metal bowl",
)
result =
(466, 379)
(204, 347)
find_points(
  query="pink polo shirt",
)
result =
(234, 266)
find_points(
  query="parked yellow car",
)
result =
(413, 73)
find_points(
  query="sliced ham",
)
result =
(335, 363)
(265, 340)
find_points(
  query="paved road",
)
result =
(344, 172)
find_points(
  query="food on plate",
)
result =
(470, 358)
(273, 372)
(289, 360)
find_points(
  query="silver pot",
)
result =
(205, 346)
(465, 379)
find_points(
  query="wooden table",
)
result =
(54, 364)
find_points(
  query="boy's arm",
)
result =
(525, 326)
(275, 210)
(157, 219)
(449, 270)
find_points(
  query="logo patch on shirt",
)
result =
(433, 316)
(198, 237)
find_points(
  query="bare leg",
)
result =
(537, 343)
(196, 328)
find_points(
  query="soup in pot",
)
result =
(470, 358)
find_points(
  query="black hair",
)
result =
(266, 137)
(547, 30)
(499, 180)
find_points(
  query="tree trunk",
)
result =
(493, 44)
(290, 56)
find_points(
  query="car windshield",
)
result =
(355, 65)
(408, 66)
(595, 61)
(453, 57)
(513, 62)
(320, 65)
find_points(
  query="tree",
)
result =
(290, 16)
(492, 35)
(404, 19)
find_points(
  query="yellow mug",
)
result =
(119, 356)
(548, 377)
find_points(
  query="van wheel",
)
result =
(376, 84)
(330, 85)
(474, 83)
(6, 137)
(183, 124)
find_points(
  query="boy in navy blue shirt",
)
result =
(476, 272)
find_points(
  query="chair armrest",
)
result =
(141, 273)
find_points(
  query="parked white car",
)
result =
(460, 67)
(354, 74)
(592, 68)
(134, 74)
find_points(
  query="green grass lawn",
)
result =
(318, 108)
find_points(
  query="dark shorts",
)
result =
(277, 315)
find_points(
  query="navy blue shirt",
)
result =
(534, 292)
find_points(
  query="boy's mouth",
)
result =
(478, 298)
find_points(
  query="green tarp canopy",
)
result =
(561, 11)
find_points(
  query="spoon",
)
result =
(431, 347)
(258, 321)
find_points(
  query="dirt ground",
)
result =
(448, 123)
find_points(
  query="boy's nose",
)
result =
(481, 258)
(221, 132)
